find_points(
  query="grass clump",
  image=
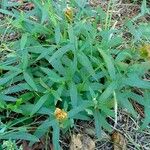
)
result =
(68, 63)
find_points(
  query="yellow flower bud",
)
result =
(60, 114)
(69, 14)
(145, 51)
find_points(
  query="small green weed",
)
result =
(70, 63)
(10, 145)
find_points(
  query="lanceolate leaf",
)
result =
(135, 81)
(108, 91)
(24, 51)
(45, 53)
(57, 34)
(8, 78)
(23, 41)
(146, 120)
(25, 59)
(30, 80)
(10, 68)
(97, 123)
(52, 75)
(56, 132)
(42, 129)
(60, 52)
(123, 100)
(80, 108)
(7, 98)
(110, 65)
(6, 12)
(19, 136)
(81, 3)
(73, 94)
(39, 104)
(83, 59)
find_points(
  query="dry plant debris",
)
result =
(81, 142)
(127, 133)
(118, 141)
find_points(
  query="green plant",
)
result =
(67, 58)
(9, 145)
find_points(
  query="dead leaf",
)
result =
(82, 142)
(139, 108)
(119, 141)
(28, 6)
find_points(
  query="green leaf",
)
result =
(52, 13)
(104, 122)
(81, 3)
(135, 81)
(2, 105)
(73, 94)
(144, 10)
(133, 30)
(8, 78)
(28, 108)
(27, 96)
(57, 34)
(114, 42)
(17, 88)
(58, 66)
(7, 4)
(110, 65)
(72, 37)
(136, 97)
(39, 104)
(108, 92)
(56, 135)
(6, 12)
(30, 81)
(1, 147)
(102, 14)
(7, 98)
(10, 68)
(46, 52)
(122, 56)
(80, 108)
(146, 119)
(107, 111)
(24, 51)
(97, 120)
(19, 136)
(23, 41)
(83, 59)
(125, 103)
(60, 52)
(43, 128)
(52, 75)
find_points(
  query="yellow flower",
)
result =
(145, 51)
(69, 14)
(60, 114)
